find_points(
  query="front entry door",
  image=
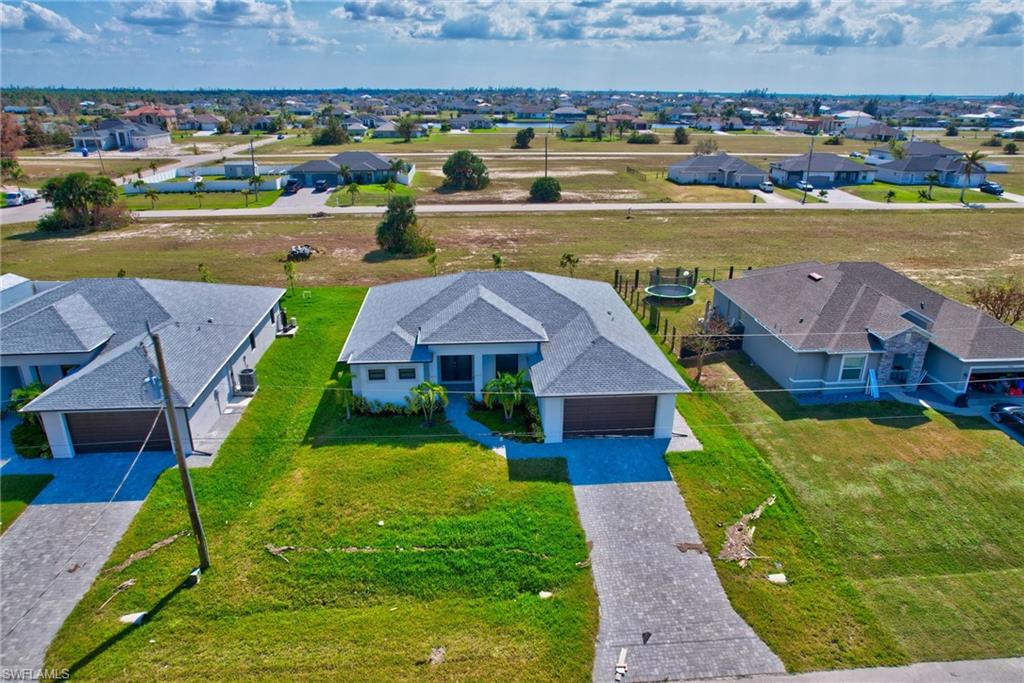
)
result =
(456, 368)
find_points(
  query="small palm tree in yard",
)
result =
(889, 196)
(139, 183)
(17, 175)
(245, 196)
(569, 261)
(152, 195)
(932, 178)
(397, 167)
(507, 390)
(153, 166)
(254, 183)
(425, 398)
(389, 187)
(197, 189)
(498, 261)
(346, 173)
(352, 189)
(972, 163)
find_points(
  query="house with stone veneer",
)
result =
(837, 327)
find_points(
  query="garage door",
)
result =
(123, 431)
(621, 415)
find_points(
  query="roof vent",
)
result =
(815, 276)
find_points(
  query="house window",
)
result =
(853, 368)
(406, 373)
(376, 375)
(506, 363)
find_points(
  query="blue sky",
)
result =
(840, 46)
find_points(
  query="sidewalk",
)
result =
(973, 671)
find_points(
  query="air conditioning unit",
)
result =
(247, 383)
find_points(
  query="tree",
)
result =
(889, 196)
(198, 187)
(396, 167)
(245, 196)
(406, 126)
(255, 182)
(346, 173)
(951, 131)
(352, 189)
(710, 334)
(680, 136)
(569, 261)
(138, 183)
(432, 262)
(705, 146)
(390, 186)
(508, 390)
(153, 166)
(546, 189)
(621, 126)
(7, 166)
(524, 136)
(17, 175)
(577, 130)
(204, 273)
(291, 274)
(1003, 301)
(465, 171)
(121, 272)
(425, 398)
(971, 162)
(81, 201)
(398, 232)
(822, 195)
(152, 195)
(896, 147)
(12, 138)
(498, 261)
(932, 178)
(1010, 148)
(331, 134)
(21, 397)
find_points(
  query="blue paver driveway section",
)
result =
(93, 478)
(611, 460)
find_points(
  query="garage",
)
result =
(1007, 382)
(609, 416)
(115, 432)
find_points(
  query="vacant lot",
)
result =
(38, 172)
(948, 250)
(410, 539)
(916, 508)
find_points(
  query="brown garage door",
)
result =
(117, 431)
(622, 415)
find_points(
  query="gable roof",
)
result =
(718, 162)
(854, 304)
(821, 162)
(356, 161)
(589, 341)
(104, 320)
(922, 148)
(929, 163)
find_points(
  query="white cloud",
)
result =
(179, 16)
(300, 40)
(29, 17)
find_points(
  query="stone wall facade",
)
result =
(910, 343)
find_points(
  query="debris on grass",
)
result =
(436, 656)
(778, 579)
(134, 618)
(699, 547)
(544, 595)
(121, 588)
(740, 536)
(142, 554)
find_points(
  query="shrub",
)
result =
(952, 132)
(1010, 148)
(398, 233)
(523, 138)
(29, 440)
(546, 189)
(331, 134)
(680, 136)
(992, 142)
(643, 138)
(706, 146)
(465, 171)
(834, 140)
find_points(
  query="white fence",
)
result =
(268, 184)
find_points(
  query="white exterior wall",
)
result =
(390, 389)
(551, 410)
(58, 435)
(663, 416)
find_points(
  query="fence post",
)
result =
(616, 278)
(730, 272)
(673, 347)
(679, 272)
(636, 278)
(714, 273)
(657, 275)
(643, 309)
(696, 279)
(664, 333)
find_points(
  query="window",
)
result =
(506, 364)
(853, 367)
(406, 373)
(376, 375)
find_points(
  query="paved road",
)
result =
(633, 515)
(976, 671)
(41, 544)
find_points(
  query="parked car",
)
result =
(990, 187)
(1008, 414)
(856, 155)
(280, 136)
(19, 197)
(320, 186)
(767, 186)
(804, 186)
(292, 186)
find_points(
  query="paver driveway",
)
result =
(44, 537)
(633, 515)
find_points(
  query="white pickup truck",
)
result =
(19, 197)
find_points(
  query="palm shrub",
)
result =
(425, 398)
(27, 437)
(507, 390)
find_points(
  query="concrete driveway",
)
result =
(303, 201)
(665, 607)
(68, 532)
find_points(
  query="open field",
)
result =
(210, 200)
(16, 492)
(186, 138)
(38, 172)
(946, 250)
(914, 506)
(877, 191)
(456, 561)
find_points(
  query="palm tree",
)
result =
(346, 173)
(390, 187)
(508, 390)
(425, 397)
(17, 175)
(569, 261)
(397, 166)
(971, 161)
(152, 195)
(889, 196)
(498, 261)
(254, 183)
(153, 166)
(245, 196)
(932, 178)
(138, 183)
(197, 189)
(353, 190)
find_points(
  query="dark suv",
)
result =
(1008, 414)
(292, 186)
(989, 187)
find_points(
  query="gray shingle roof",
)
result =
(854, 302)
(923, 148)
(200, 325)
(929, 163)
(589, 340)
(356, 161)
(821, 162)
(717, 162)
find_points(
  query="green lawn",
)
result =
(210, 200)
(16, 492)
(877, 191)
(457, 563)
(369, 195)
(792, 193)
(911, 513)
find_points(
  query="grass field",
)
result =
(16, 492)
(457, 563)
(369, 195)
(210, 200)
(38, 172)
(943, 249)
(914, 506)
(877, 191)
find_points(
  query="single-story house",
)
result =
(471, 122)
(593, 368)
(875, 131)
(366, 168)
(917, 148)
(568, 114)
(389, 129)
(201, 122)
(812, 126)
(153, 115)
(530, 111)
(914, 170)
(845, 326)
(86, 340)
(261, 123)
(118, 134)
(824, 170)
(716, 169)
